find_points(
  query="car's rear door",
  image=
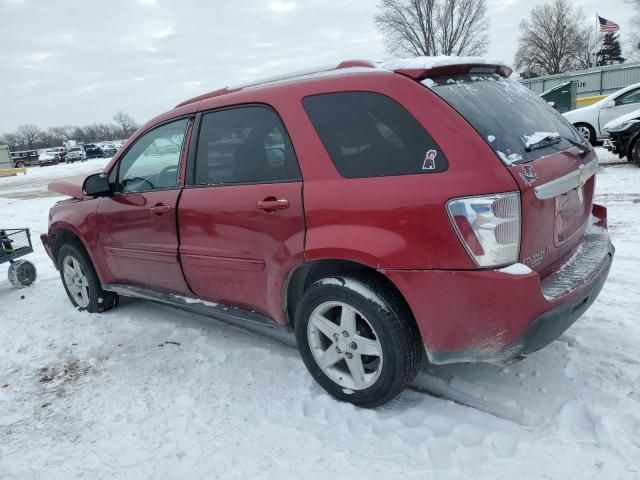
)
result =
(137, 226)
(241, 217)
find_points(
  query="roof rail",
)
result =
(277, 78)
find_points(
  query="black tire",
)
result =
(99, 299)
(22, 273)
(586, 127)
(635, 152)
(394, 327)
(20, 165)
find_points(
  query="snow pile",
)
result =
(146, 391)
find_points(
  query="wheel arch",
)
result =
(307, 273)
(64, 233)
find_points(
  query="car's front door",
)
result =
(137, 224)
(241, 218)
(625, 103)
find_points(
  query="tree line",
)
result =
(31, 137)
(556, 37)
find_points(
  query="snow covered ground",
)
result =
(147, 391)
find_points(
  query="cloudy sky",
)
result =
(79, 61)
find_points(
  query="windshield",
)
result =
(513, 120)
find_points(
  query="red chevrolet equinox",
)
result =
(381, 212)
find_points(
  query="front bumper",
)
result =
(45, 239)
(495, 316)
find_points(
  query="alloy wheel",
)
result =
(76, 281)
(345, 345)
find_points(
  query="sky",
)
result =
(79, 61)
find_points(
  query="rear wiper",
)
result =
(545, 142)
(552, 140)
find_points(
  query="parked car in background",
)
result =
(75, 154)
(624, 136)
(48, 157)
(60, 151)
(92, 150)
(426, 206)
(590, 120)
(109, 150)
(25, 158)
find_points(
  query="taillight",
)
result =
(489, 227)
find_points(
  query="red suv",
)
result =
(382, 212)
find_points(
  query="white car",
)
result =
(590, 121)
(75, 154)
(48, 157)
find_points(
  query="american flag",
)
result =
(608, 25)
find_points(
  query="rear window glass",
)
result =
(370, 135)
(508, 115)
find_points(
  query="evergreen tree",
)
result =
(611, 52)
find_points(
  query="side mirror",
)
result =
(610, 104)
(97, 185)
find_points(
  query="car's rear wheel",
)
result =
(81, 281)
(586, 131)
(358, 341)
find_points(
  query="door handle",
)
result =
(272, 203)
(160, 209)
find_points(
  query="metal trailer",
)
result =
(6, 163)
(15, 243)
(594, 82)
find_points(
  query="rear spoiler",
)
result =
(423, 67)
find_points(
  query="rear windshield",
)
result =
(508, 115)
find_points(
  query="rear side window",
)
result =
(370, 135)
(244, 145)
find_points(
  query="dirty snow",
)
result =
(146, 391)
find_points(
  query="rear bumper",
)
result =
(495, 316)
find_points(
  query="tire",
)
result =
(22, 273)
(81, 281)
(635, 152)
(20, 165)
(380, 317)
(586, 131)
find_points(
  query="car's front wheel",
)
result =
(587, 132)
(357, 339)
(81, 281)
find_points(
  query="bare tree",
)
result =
(28, 135)
(434, 27)
(126, 123)
(551, 39)
(586, 57)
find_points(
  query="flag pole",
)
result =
(595, 53)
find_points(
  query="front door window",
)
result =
(152, 163)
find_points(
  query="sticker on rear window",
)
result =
(430, 160)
